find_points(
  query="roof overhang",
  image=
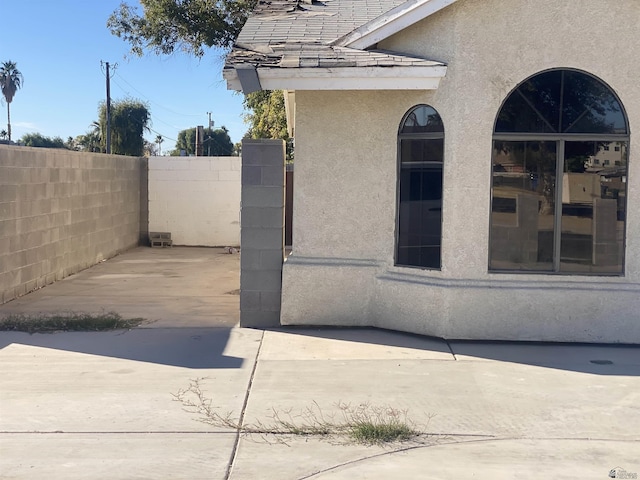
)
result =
(391, 23)
(339, 78)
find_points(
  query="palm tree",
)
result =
(10, 81)
(159, 141)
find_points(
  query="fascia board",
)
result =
(290, 111)
(231, 77)
(391, 23)
(352, 78)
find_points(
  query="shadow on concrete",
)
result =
(373, 336)
(591, 358)
(195, 348)
(597, 359)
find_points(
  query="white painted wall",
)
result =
(342, 271)
(197, 199)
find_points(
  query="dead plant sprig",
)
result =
(362, 423)
(67, 322)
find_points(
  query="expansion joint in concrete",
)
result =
(234, 451)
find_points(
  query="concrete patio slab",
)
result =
(456, 398)
(176, 456)
(120, 381)
(291, 458)
(100, 405)
(350, 344)
(598, 359)
(503, 459)
(179, 286)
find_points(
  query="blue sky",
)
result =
(58, 46)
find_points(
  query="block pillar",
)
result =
(261, 232)
(605, 232)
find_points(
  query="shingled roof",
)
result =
(312, 44)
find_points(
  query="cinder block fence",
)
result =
(63, 211)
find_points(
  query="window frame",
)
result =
(416, 136)
(560, 139)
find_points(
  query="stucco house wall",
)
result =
(342, 269)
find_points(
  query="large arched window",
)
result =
(558, 196)
(421, 148)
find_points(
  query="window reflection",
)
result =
(523, 206)
(421, 150)
(421, 120)
(559, 177)
(593, 207)
(562, 101)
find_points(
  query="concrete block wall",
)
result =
(63, 211)
(262, 232)
(197, 199)
(605, 232)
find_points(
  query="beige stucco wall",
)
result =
(63, 211)
(342, 268)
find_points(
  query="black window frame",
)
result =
(561, 138)
(439, 135)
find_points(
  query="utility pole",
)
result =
(108, 133)
(199, 140)
(108, 139)
(210, 122)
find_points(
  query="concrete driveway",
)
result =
(171, 287)
(103, 405)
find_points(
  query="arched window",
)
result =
(421, 149)
(558, 196)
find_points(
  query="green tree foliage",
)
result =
(10, 81)
(216, 143)
(158, 141)
(38, 140)
(186, 25)
(129, 120)
(189, 26)
(90, 141)
(267, 117)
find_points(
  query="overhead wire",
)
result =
(155, 118)
(154, 102)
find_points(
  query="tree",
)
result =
(267, 117)
(10, 81)
(71, 143)
(159, 141)
(216, 143)
(186, 25)
(90, 141)
(189, 26)
(39, 140)
(3, 134)
(150, 149)
(129, 120)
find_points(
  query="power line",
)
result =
(154, 102)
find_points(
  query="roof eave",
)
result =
(343, 78)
